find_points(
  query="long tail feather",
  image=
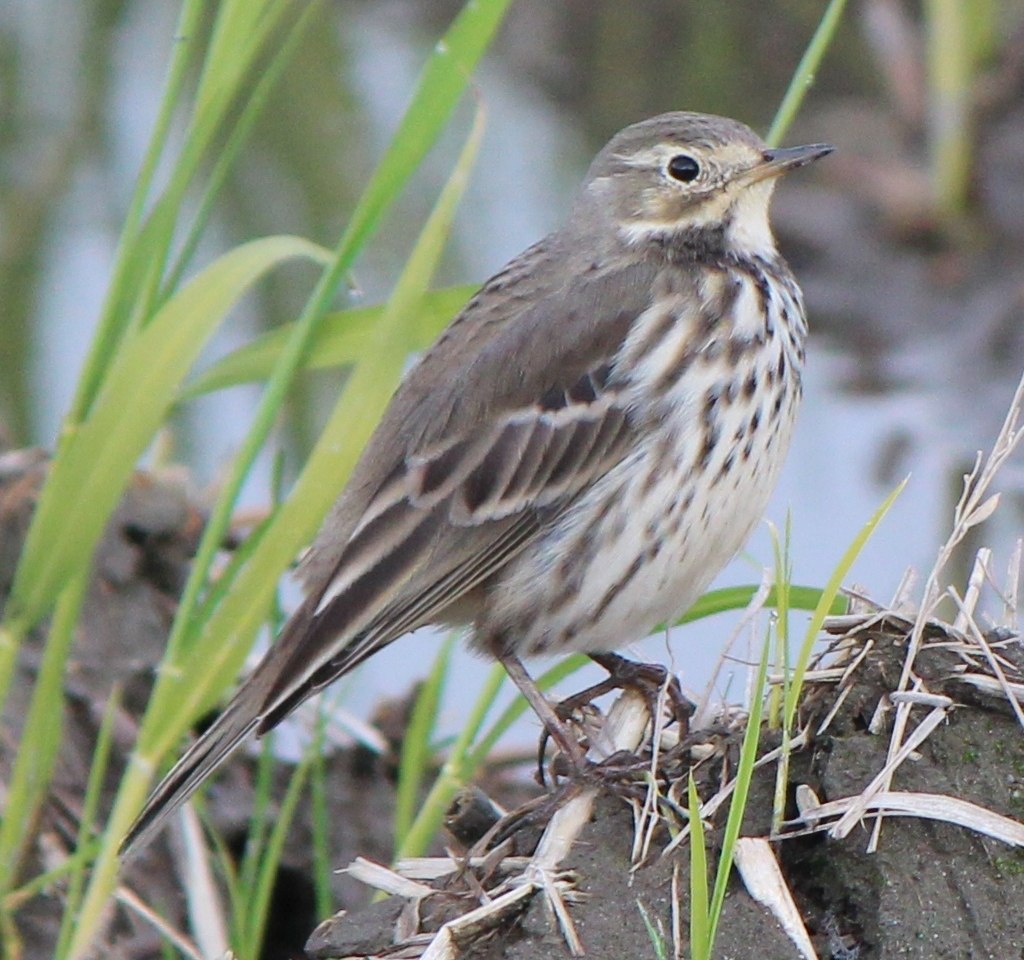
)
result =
(239, 719)
(200, 760)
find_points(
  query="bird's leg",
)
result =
(648, 678)
(554, 726)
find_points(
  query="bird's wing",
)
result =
(446, 521)
(461, 474)
(540, 324)
(513, 411)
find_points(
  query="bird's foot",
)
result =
(647, 678)
(650, 679)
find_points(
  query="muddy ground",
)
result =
(932, 890)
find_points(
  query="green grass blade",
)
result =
(700, 934)
(783, 585)
(828, 595)
(655, 935)
(240, 29)
(467, 753)
(259, 895)
(36, 754)
(803, 79)
(97, 462)
(227, 155)
(455, 772)
(440, 86)
(66, 871)
(339, 341)
(738, 598)
(260, 822)
(90, 810)
(738, 803)
(320, 820)
(419, 734)
(950, 89)
(112, 319)
(134, 293)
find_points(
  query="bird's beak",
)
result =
(781, 160)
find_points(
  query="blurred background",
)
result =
(910, 255)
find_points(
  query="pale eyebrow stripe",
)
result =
(653, 156)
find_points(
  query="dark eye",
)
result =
(683, 167)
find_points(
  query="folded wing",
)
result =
(477, 452)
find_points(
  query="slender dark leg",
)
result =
(648, 678)
(554, 726)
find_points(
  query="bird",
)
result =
(581, 450)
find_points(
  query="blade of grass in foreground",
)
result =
(803, 79)
(416, 753)
(29, 779)
(90, 809)
(737, 598)
(320, 821)
(232, 626)
(339, 341)
(227, 154)
(793, 680)
(828, 596)
(259, 902)
(654, 934)
(738, 803)
(453, 774)
(700, 933)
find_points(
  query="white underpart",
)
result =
(711, 525)
(750, 233)
(749, 321)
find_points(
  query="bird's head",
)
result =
(690, 177)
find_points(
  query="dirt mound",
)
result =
(933, 888)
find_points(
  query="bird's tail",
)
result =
(239, 719)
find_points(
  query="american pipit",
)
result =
(583, 448)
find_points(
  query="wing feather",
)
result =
(310, 669)
(369, 601)
(462, 473)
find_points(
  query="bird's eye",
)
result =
(683, 167)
